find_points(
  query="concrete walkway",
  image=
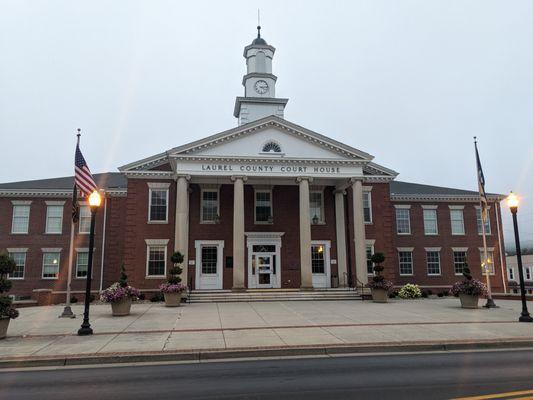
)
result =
(152, 328)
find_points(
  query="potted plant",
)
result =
(7, 311)
(120, 294)
(469, 289)
(173, 288)
(379, 286)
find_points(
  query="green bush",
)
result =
(410, 291)
(7, 266)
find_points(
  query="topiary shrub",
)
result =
(410, 291)
(378, 281)
(7, 266)
(173, 283)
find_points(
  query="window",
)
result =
(490, 260)
(158, 205)
(271, 147)
(527, 273)
(21, 218)
(459, 261)
(50, 264)
(54, 218)
(406, 262)
(210, 205)
(403, 221)
(367, 207)
(479, 222)
(19, 257)
(433, 262)
(458, 225)
(430, 221)
(369, 263)
(263, 206)
(317, 259)
(510, 274)
(82, 261)
(84, 222)
(209, 259)
(316, 206)
(157, 257)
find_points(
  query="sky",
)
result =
(410, 82)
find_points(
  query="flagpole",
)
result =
(67, 311)
(483, 210)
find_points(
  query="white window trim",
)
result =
(488, 220)
(80, 205)
(156, 243)
(158, 186)
(489, 250)
(208, 189)
(459, 250)
(410, 250)
(437, 250)
(403, 206)
(82, 250)
(396, 220)
(457, 208)
(54, 204)
(510, 269)
(430, 208)
(51, 250)
(19, 250)
(322, 219)
(271, 206)
(368, 192)
(20, 203)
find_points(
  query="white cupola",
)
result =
(259, 84)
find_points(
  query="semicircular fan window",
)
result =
(271, 147)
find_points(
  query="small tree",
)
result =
(7, 266)
(123, 280)
(378, 280)
(175, 271)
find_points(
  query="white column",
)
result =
(238, 232)
(181, 230)
(340, 227)
(305, 234)
(359, 231)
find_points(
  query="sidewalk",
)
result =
(211, 330)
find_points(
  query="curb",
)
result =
(257, 352)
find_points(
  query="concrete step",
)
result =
(208, 296)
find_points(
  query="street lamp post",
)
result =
(94, 202)
(512, 202)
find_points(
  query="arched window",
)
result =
(271, 147)
(260, 62)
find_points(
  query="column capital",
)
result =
(304, 178)
(244, 178)
(354, 180)
(187, 177)
(340, 191)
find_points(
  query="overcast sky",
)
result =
(410, 82)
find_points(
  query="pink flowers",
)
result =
(471, 287)
(172, 287)
(116, 293)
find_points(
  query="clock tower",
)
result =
(259, 84)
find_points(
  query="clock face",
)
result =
(261, 87)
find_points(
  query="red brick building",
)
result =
(268, 204)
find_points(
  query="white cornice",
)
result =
(150, 174)
(268, 160)
(60, 193)
(440, 197)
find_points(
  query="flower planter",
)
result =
(122, 307)
(468, 301)
(172, 299)
(4, 323)
(380, 296)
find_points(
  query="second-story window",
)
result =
(21, 218)
(367, 207)
(158, 203)
(457, 222)
(84, 222)
(54, 218)
(263, 206)
(316, 206)
(209, 205)
(480, 222)
(403, 221)
(430, 221)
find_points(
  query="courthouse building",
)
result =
(267, 204)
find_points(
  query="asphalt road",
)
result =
(409, 376)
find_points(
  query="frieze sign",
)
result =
(271, 169)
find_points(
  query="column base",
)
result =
(306, 288)
(238, 289)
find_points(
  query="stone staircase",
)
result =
(226, 296)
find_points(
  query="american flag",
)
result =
(481, 186)
(83, 179)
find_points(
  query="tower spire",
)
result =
(258, 23)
